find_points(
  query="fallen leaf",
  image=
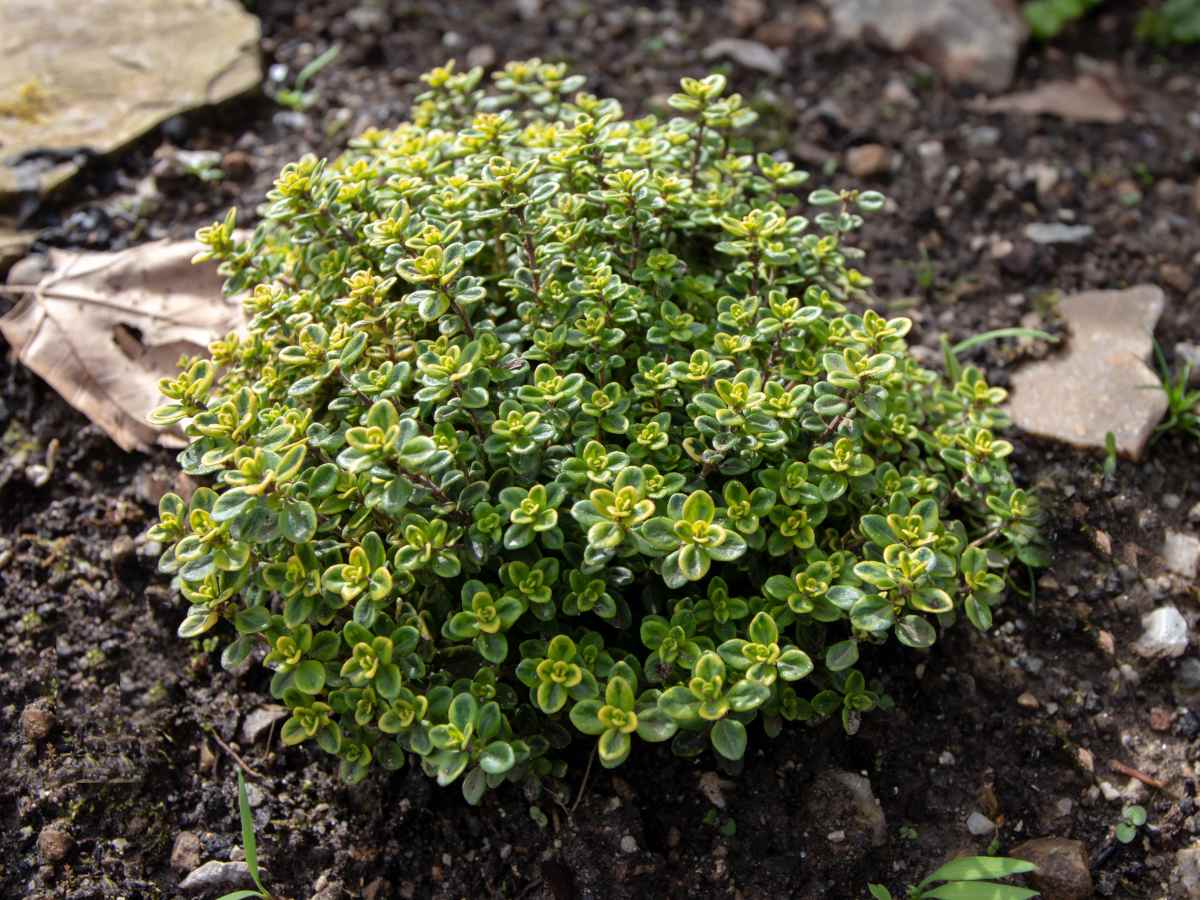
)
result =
(13, 245)
(103, 328)
(750, 54)
(1086, 99)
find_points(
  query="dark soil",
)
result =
(132, 757)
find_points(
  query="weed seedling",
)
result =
(969, 878)
(298, 99)
(1132, 818)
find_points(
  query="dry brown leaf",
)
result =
(1086, 99)
(103, 328)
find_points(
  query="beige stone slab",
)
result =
(96, 75)
(1101, 382)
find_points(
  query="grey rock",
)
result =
(1187, 680)
(629, 844)
(371, 16)
(528, 9)
(980, 825)
(1187, 871)
(1181, 552)
(750, 54)
(260, 720)
(1062, 867)
(983, 136)
(216, 876)
(971, 41)
(1164, 634)
(1057, 233)
(1101, 383)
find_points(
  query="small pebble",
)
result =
(36, 722)
(629, 844)
(185, 854)
(54, 843)
(867, 160)
(979, 824)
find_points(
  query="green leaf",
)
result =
(914, 631)
(974, 868)
(978, 890)
(841, 655)
(474, 786)
(310, 676)
(693, 562)
(298, 521)
(232, 504)
(763, 629)
(729, 738)
(583, 716)
(252, 619)
(463, 710)
(497, 758)
(613, 748)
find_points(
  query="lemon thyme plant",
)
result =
(548, 422)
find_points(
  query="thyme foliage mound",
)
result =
(551, 422)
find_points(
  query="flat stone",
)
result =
(970, 41)
(1181, 552)
(1062, 867)
(1164, 634)
(750, 54)
(1101, 382)
(261, 719)
(1057, 233)
(93, 77)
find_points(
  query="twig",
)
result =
(583, 784)
(995, 532)
(1118, 766)
(212, 732)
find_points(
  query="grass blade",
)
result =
(976, 339)
(249, 844)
